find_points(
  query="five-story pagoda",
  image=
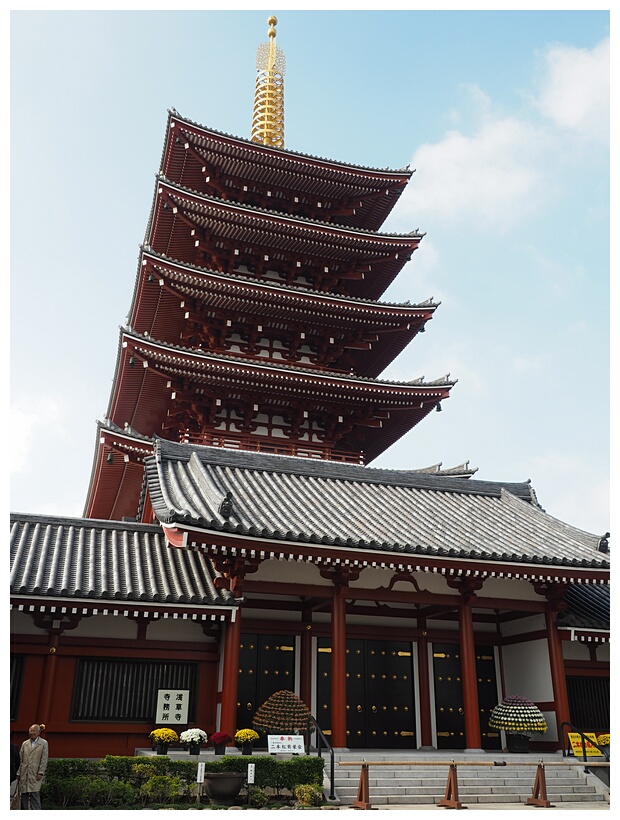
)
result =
(255, 323)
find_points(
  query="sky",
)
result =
(504, 115)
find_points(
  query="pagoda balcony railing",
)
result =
(301, 449)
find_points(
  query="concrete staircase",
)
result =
(426, 784)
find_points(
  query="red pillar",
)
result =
(44, 705)
(426, 733)
(339, 669)
(468, 676)
(558, 675)
(230, 676)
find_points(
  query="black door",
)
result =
(449, 710)
(380, 704)
(266, 665)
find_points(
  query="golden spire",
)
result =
(268, 119)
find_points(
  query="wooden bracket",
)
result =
(451, 798)
(363, 792)
(539, 793)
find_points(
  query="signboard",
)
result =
(172, 706)
(200, 775)
(251, 772)
(286, 744)
(577, 746)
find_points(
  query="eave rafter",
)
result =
(222, 235)
(211, 314)
(455, 571)
(241, 170)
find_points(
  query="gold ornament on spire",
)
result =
(268, 119)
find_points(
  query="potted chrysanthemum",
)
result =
(519, 718)
(219, 740)
(245, 738)
(194, 738)
(162, 738)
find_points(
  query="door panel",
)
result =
(266, 665)
(380, 704)
(450, 717)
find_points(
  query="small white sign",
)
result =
(200, 776)
(172, 707)
(251, 770)
(286, 744)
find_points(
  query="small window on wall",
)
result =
(17, 676)
(113, 690)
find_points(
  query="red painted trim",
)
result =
(339, 671)
(473, 738)
(230, 676)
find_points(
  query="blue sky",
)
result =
(503, 114)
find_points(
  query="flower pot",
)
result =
(161, 748)
(223, 785)
(519, 744)
(220, 748)
(194, 748)
(246, 748)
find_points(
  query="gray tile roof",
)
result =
(318, 502)
(588, 607)
(107, 561)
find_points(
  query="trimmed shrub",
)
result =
(308, 794)
(258, 797)
(160, 788)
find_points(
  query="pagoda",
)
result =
(255, 322)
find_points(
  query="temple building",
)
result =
(235, 541)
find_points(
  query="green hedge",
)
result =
(118, 781)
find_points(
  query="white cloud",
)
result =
(492, 177)
(507, 168)
(575, 91)
(31, 419)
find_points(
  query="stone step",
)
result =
(525, 788)
(426, 785)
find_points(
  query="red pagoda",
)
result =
(255, 323)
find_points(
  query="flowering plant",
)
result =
(217, 738)
(246, 736)
(193, 736)
(518, 715)
(164, 735)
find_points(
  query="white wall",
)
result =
(527, 671)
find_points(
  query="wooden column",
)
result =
(467, 587)
(554, 593)
(233, 570)
(469, 678)
(339, 669)
(230, 676)
(48, 679)
(558, 675)
(426, 732)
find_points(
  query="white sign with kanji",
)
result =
(286, 744)
(172, 707)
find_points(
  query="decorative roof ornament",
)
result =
(268, 118)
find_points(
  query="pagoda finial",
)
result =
(268, 119)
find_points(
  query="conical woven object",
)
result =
(517, 715)
(282, 712)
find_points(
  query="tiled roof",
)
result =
(588, 607)
(318, 502)
(106, 561)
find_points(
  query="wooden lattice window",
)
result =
(115, 690)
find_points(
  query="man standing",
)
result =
(33, 756)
